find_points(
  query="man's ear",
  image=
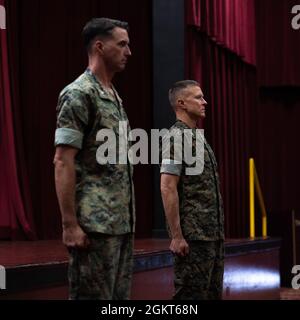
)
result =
(99, 46)
(180, 103)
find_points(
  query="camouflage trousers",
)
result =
(199, 275)
(104, 271)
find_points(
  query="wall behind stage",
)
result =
(46, 53)
(278, 66)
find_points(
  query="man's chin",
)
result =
(119, 69)
(123, 66)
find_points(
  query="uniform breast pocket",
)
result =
(110, 120)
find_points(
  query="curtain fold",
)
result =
(229, 85)
(230, 23)
(16, 220)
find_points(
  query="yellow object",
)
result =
(255, 186)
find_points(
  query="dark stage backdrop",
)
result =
(278, 65)
(278, 43)
(278, 154)
(45, 54)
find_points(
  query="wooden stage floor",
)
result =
(38, 269)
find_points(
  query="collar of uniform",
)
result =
(185, 126)
(181, 124)
(102, 92)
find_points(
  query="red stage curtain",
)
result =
(229, 85)
(16, 220)
(230, 23)
(278, 44)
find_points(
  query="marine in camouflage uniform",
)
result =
(104, 193)
(199, 274)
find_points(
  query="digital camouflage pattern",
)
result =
(104, 271)
(104, 193)
(199, 275)
(200, 201)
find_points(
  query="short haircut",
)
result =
(177, 87)
(100, 27)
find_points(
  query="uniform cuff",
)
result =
(171, 167)
(69, 137)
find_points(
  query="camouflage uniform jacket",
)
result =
(200, 201)
(104, 193)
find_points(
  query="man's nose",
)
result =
(128, 51)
